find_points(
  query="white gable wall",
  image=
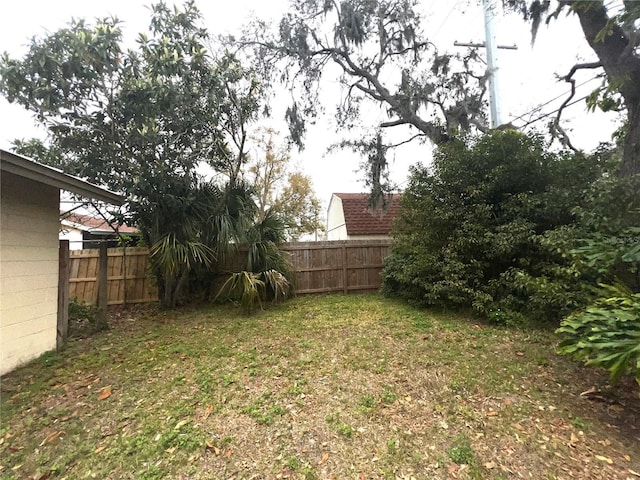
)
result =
(29, 224)
(336, 225)
(73, 235)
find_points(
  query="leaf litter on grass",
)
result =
(320, 387)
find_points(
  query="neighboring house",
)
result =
(85, 231)
(29, 254)
(349, 217)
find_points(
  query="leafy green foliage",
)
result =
(251, 289)
(141, 121)
(607, 333)
(461, 451)
(472, 231)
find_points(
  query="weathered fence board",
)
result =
(320, 267)
(127, 277)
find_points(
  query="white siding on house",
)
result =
(29, 223)
(73, 235)
(336, 225)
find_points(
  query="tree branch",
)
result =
(564, 138)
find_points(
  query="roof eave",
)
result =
(28, 168)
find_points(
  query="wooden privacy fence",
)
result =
(128, 280)
(338, 266)
(320, 267)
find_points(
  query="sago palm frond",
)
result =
(277, 283)
(245, 287)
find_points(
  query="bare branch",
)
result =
(411, 139)
(564, 138)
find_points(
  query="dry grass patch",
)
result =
(322, 387)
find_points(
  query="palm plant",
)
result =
(266, 272)
(179, 213)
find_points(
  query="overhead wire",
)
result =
(552, 112)
(538, 107)
(455, 5)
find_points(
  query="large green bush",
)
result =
(474, 229)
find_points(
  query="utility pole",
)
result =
(492, 62)
(492, 65)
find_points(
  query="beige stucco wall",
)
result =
(28, 269)
(336, 226)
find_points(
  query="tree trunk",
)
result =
(180, 284)
(631, 152)
(622, 66)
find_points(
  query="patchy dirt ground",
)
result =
(329, 387)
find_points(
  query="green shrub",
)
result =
(607, 333)
(474, 230)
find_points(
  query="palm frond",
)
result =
(277, 284)
(172, 256)
(245, 287)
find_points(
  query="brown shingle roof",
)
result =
(360, 219)
(96, 225)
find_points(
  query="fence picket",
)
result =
(320, 267)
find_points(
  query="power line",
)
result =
(538, 107)
(552, 112)
(455, 5)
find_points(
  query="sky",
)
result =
(528, 75)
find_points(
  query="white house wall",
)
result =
(74, 236)
(29, 223)
(336, 225)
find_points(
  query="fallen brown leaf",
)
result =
(324, 458)
(604, 459)
(208, 411)
(100, 449)
(50, 438)
(180, 424)
(590, 391)
(105, 393)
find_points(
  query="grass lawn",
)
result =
(329, 387)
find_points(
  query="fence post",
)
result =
(345, 281)
(62, 330)
(101, 316)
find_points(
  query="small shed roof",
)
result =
(360, 219)
(26, 167)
